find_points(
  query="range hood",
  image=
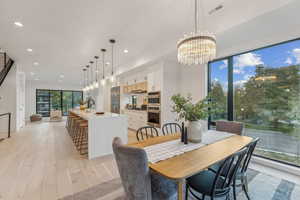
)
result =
(138, 91)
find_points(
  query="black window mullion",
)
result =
(49, 95)
(230, 90)
(61, 101)
(73, 99)
(209, 89)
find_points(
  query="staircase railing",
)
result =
(9, 122)
(8, 63)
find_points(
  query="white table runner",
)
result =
(173, 148)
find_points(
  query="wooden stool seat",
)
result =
(83, 124)
(78, 130)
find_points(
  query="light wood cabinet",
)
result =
(142, 86)
(125, 89)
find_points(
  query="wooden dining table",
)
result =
(183, 166)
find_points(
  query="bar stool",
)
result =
(76, 128)
(82, 141)
(69, 120)
(73, 126)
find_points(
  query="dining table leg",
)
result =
(181, 189)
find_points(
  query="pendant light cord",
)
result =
(88, 74)
(91, 74)
(196, 16)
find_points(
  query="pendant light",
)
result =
(103, 65)
(92, 76)
(197, 47)
(84, 86)
(85, 79)
(88, 79)
(96, 84)
(112, 77)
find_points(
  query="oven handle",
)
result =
(153, 111)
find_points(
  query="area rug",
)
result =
(261, 187)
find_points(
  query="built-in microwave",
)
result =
(154, 109)
(154, 98)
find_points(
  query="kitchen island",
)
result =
(101, 131)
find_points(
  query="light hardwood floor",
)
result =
(41, 163)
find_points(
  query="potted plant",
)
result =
(82, 105)
(195, 114)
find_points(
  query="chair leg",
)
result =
(227, 196)
(186, 192)
(234, 189)
(245, 186)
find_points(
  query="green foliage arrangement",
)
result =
(189, 111)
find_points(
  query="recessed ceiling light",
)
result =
(32, 73)
(19, 24)
(125, 51)
(36, 63)
(107, 63)
(36, 79)
(62, 76)
(29, 50)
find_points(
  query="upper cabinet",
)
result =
(148, 81)
(135, 88)
(154, 81)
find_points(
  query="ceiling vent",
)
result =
(219, 7)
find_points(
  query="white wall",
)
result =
(31, 86)
(184, 80)
(193, 80)
(20, 110)
(8, 98)
(170, 86)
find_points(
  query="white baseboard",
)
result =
(276, 165)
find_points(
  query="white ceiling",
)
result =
(65, 35)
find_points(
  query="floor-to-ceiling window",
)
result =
(47, 100)
(55, 100)
(67, 101)
(219, 88)
(263, 87)
(42, 102)
(77, 98)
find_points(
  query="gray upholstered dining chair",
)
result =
(230, 127)
(139, 182)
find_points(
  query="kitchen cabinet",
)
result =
(136, 118)
(125, 89)
(142, 86)
(154, 81)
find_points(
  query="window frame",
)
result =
(230, 95)
(61, 99)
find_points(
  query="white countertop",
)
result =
(133, 110)
(92, 114)
(102, 129)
